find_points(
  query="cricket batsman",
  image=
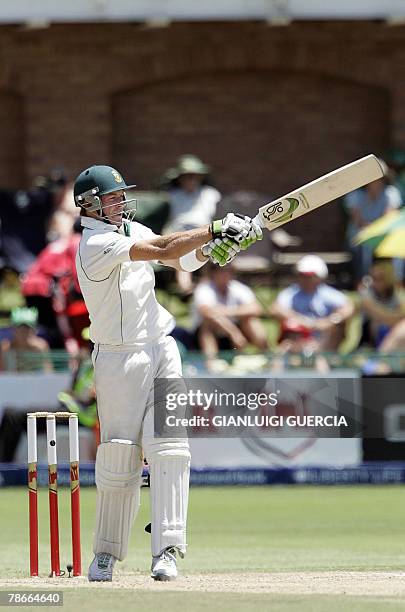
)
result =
(132, 346)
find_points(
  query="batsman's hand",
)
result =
(232, 226)
(240, 228)
(255, 234)
(221, 250)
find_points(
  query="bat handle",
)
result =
(257, 219)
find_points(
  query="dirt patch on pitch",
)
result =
(306, 583)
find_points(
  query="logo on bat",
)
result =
(277, 207)
(281, 207)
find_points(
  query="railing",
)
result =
(232, 363)
(32, 361)
(226, 363)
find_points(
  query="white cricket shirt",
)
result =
(119, 293)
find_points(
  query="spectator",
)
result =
(365, 206)
(381, 305)
(51, 286)
(396, 160)
(81, 398)
(226, 314)
(310, 309)
(65, 213)
(10, 297)
(192, 203)
(394, 341)
(26, 351)
(24, 220)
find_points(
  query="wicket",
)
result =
(53, 489)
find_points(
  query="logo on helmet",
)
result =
(117, 176)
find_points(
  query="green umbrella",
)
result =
(377, 232)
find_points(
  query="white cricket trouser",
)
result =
(124, 378)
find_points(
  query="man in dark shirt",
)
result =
(24, 216)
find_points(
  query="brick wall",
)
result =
(268, 108)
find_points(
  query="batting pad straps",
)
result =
(169, 464)
(189, 262)
(118, 479)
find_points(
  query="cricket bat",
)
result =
(319, 192)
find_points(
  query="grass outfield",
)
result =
(288, 548)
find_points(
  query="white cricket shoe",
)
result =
(164, 566)
(101, 568)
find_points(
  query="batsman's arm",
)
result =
(176, 263)
(170, 247)
(176, 245)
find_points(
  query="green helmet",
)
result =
(94, 182)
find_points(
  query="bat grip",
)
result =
(257, 219)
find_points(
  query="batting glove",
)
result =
(234, 226)
(255, 234)
(220, 251)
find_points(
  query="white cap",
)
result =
(312, 264)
